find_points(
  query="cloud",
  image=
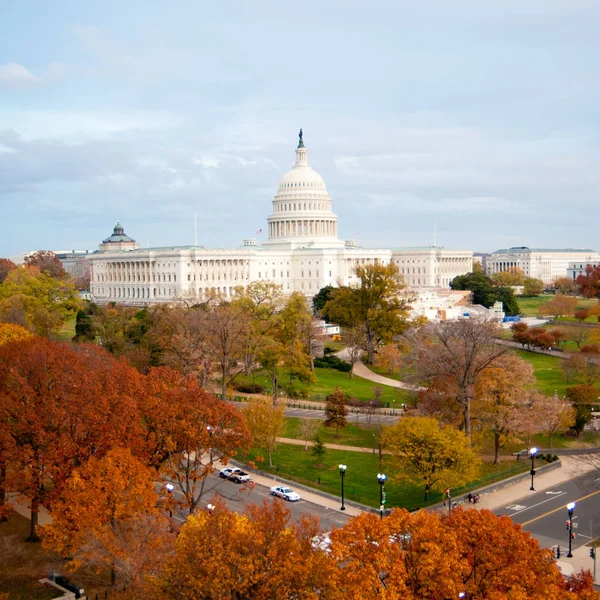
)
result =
(16, 75)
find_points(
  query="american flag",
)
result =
(259, 232)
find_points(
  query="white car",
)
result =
(227, 472)
(240, 477)
(285, 492)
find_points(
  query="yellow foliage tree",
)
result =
(429, 454)
(265, 423)
(10, 332)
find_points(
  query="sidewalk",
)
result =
(571, 468)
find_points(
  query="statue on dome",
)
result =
(300, 134)
(300, 140)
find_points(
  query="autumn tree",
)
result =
(6, 266)
(259, 554)
(486, 292)
(564, 285)
(429, 454)
(509, 277)
(226, 329)
(389, 359)
(581, 314)
(9, 332)
(37, 301)
(47, 262)
(578, 335)
(63, 404)
(588, 284)
(187, 430)
(107, 517)
(521, 333)
(552, 415)
(356, 343)
(583, 367)
(307, 429)
(265, 423)
(559, 306)
(500, 404)
(336, 411)
(377, 304)
(406, 556)
(456, 352)
(581, 397)
(532, 286)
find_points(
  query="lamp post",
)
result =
(210, 508)
(532, 453)
(570, 509)
(342, 474)
(381, 479)
(209, 430)
(170, 487)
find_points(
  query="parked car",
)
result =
(285, 492)
(239, 476)
(227, 472)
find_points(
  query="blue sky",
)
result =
(479, 116)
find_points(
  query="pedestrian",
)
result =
(470, 497)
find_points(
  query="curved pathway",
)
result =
(361, 370)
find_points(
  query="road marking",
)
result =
(559, 508)
(553, 493)
(517, 507)
(585, 536)
(523, 509)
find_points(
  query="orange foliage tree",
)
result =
(10, 332)
(256, 555)
(62, 404)
(107, 517)
(187, 429)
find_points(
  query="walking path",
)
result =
(363, 371)
(296, 442)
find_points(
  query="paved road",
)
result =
(237, 496)
(304, 413)
(545, 514)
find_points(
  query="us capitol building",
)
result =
(302, 254)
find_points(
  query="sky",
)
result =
(477, 119)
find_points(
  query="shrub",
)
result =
(328, 350)
(297, 390)
(333, 362)
(250, 389)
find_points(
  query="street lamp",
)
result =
(210, 508)
(170, 487)
(570, 509)
(209, 430)
(342, 474)
(532, 453)
(381, 479)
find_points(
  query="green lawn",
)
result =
(293, 463)
(529, 306)
(67, 332)
(328, 379)
(548, 372)
(352, 435)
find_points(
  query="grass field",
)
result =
(293, 463)
(328, 379)
(529, 306)
(548, 372)
(351, 435)
(67, 333)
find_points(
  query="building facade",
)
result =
(579, 268)
(540, 263)
(303, 253)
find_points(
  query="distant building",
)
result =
(578, 268)
(540, 263)
(303, 253)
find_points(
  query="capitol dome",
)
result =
(302, 212)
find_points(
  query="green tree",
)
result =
(336, 411)
(84, 328)
(321, 298)
(429, 454)
(37, 301)
(318, 448)
(486, 292)
(376, 304)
